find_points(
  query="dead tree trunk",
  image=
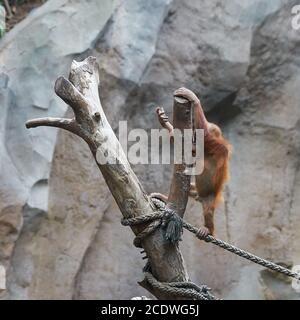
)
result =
(80, 92)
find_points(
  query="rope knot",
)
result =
(171, 222)
(205, 289)
(173, 227)
(185, 289)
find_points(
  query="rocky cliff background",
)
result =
(60, 232)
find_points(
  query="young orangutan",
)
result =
(210, 183)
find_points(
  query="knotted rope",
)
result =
(180, 289)
(162, 218)
(173, 226)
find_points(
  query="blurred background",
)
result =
(60, 231)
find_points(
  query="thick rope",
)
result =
(156, 219)
(242, 253)
(183, 289)
(165, 217)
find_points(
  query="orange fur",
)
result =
(219, 149)
(210, 183)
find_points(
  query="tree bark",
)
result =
(180, 184)
(80, 92)
(8, 9)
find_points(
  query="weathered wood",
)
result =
(90, 123)
(180, 184)
(8, 9)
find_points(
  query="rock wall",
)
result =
(60, 235)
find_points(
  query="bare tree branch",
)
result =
(50, 122)
(180, 184)
(70, 95)
(82, 95)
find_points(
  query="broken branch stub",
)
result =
(180, 184)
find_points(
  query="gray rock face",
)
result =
(60, 235)
(32, 55)
(267, 134)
